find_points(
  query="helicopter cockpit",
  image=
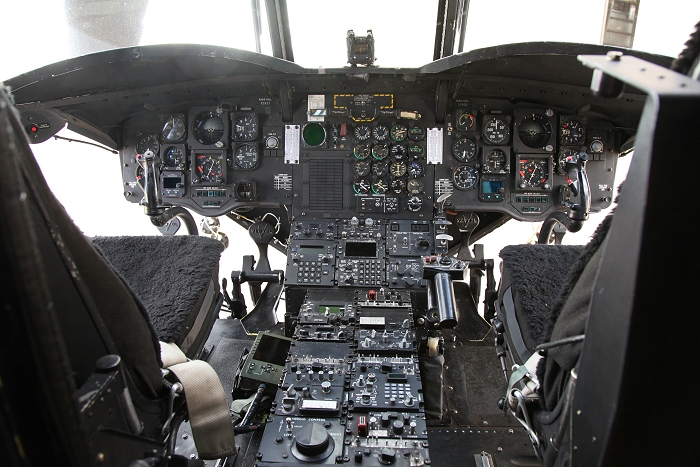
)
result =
(374, 328)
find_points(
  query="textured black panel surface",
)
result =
(326, 185)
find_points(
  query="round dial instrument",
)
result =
(414, 187)
(466, 121)
(246, 156)
(362, 168)
(208, 128)
(380, 133)
(497, 130)
(571, 132)
(416, 133)
(398, 169)
(362, 151)
(380, 186)
(362, 186)
(399, 132)
(362, 132)
(495, 161)
(379, 169)
(416, 150)
(140, 174)
(398, 186)
(415, 170)
(174, 129)
(209, 168)
(465, 177)
(398, 152)
(245, 128)
(464, 149)
(535, 131)
(533, 172)
(380, 151)
(146, 143)
(414, 204)
(173, 156)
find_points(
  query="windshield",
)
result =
(404, 32)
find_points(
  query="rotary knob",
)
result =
(312, 443)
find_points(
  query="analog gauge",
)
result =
(174, 129)
(246, 156)
(208, 128)
(146, 143)
(414, 204)
(571, 132)
(362, 186)
(415, 170)
(362, 132)
(497, 130)
(380, 186)
(362, 168)
(361, 151)
(398, 152)
(535, 131)
(174, 157)
(398, 186)
(209, 167)
(533, 173)
(399, 132)
(416, 133)
(398, 169)
(380, 151)
(464, 149)
(415, 150)
(467, 221)
(466, 121)
(245, 127)
(379, 169)
(380, 133)
(496, 161)
(414, 187)
(563, 155)
(465, 177)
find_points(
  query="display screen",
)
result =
(170, 182)
(360, 48)
(272, 350)
(332, 309)
(361, 250)
(492, 186)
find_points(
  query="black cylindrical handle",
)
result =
(445, 295)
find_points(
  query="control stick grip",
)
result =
(445, 298)
(276, 277)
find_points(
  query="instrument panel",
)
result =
(376, 155)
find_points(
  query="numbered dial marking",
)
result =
(414, 187)
(415, 150)
(398, 169)
(466, 121)
(497, 130)
(146, 143)
(174, 157)
(174, 129)
(464, 149)
(380, 186)
(380, 133)
(416, 133)
(362, 168)
(361, 151)
(533, 173)
(398, 186)
(399, 132)
(398, 151)
(565, 153)
(415, 170)
(208, 128)
(571, 132)
(380, 151)
(362, 186)
(246, 156)
(465, 177)
(380, 169)
(245, 128)
(209, 168)
(362, 132)
(496, 161)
